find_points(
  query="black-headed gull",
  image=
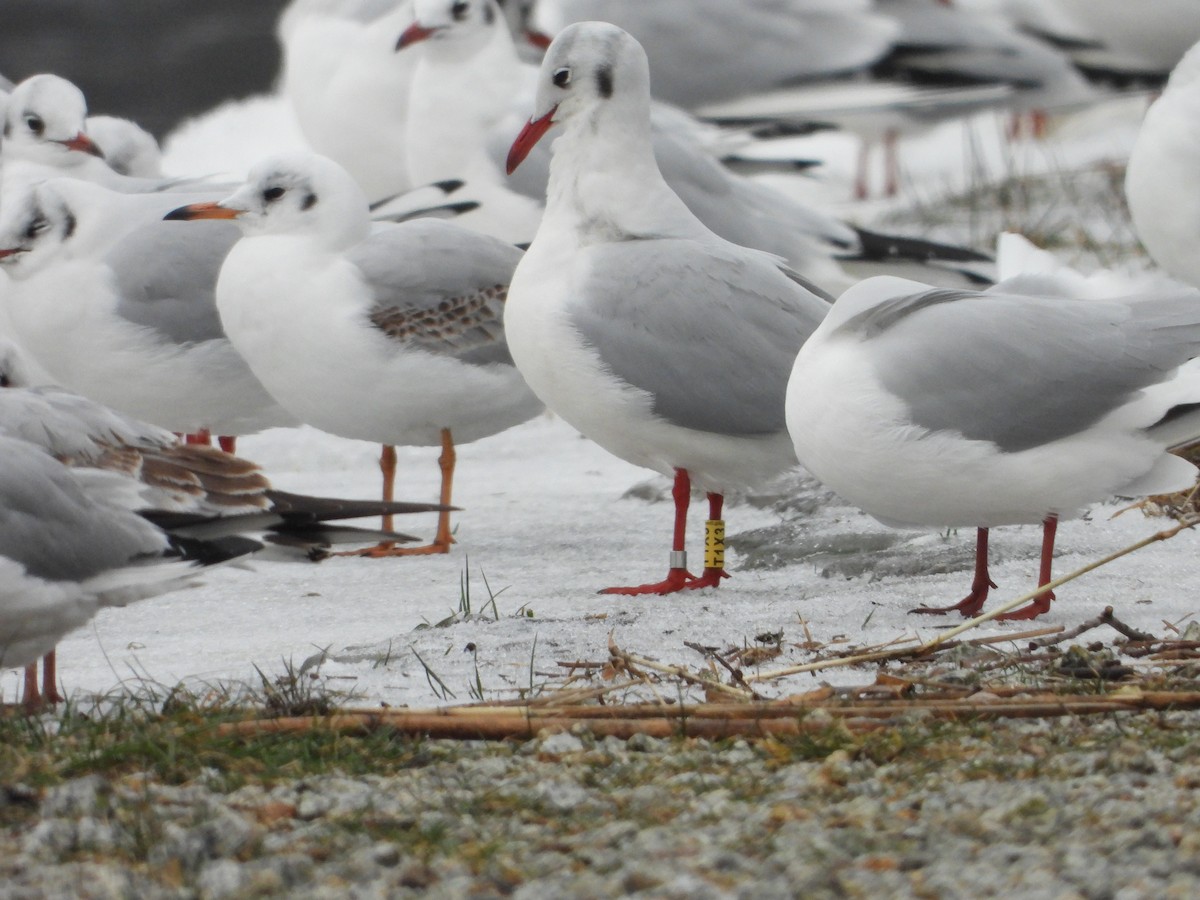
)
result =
(702, 51)
(664, 343)
(118, 305)
(391, 334)
(1162, 179)
(471, 92)
(943, 408)
(66, 550)
(45, 126)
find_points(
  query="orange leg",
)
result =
(443, 539)
(678, 577)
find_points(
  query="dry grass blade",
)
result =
(710, 720)
(943, 640)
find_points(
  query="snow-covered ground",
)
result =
(546, 523)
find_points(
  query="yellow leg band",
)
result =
(714, 544)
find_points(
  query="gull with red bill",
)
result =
(665, 344)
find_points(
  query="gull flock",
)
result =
(492, 219)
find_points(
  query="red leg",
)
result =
(31, 697)
(1041, 603)
(199, 437)
(228, 443)
(677, 576)
(50, 678)
(971, 604)
(714, 545)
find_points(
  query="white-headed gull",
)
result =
(943, 408)
(1162, 180)
(66, 550)
(45, 127)
(118, 305)
(471, 92)
(390, 334)
(702, 51)
(664, 343)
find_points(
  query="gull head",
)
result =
(591, 71)
(45, 123)
(452, 25)
(36, 226)
(297, 193)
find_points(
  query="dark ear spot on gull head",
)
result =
(604, 81)
(310, 200)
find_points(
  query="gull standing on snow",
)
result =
(391, 334)
(664, 343)
(1016, 405)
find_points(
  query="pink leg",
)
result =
(678, 576)
(714, 549)
(971, 604)
(891, 163)
(862, 189)
(1041, 603)
(228, 443)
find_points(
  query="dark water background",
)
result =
(154, 61)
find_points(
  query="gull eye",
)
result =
(272, 194)
(561, 77)
(35, 124)
(459, 10)
(36, 227)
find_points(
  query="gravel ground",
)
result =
(1090, 808)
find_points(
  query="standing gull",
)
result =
(389, 333)
(664, 343)
(943, 408)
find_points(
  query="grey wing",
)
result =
(709, 330)
(1021, 371)
(166, 275)
(71, 427)
(54, 529)
(439, 287)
